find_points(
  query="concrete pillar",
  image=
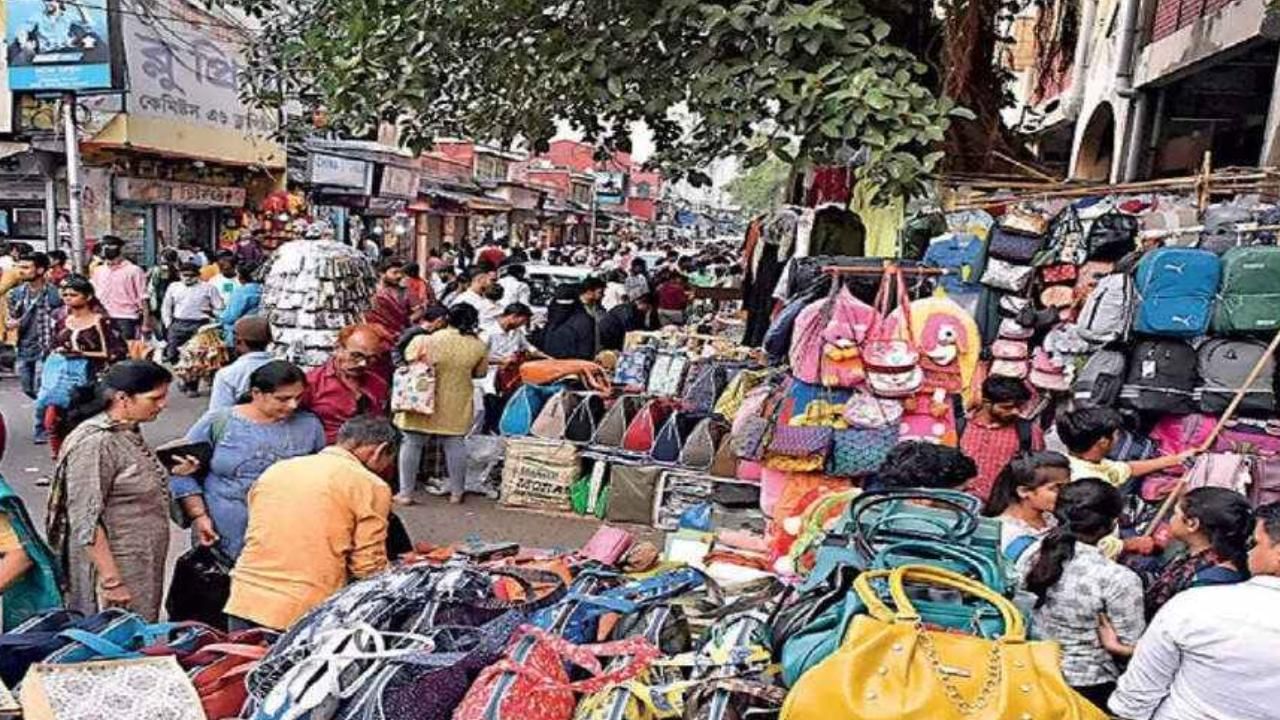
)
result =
(1270, 155)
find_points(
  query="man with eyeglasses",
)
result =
(348, 384)
(1213, 652)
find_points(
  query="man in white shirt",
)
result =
(1213, 653)
(187, 306)
(508, 344)
(475, 296)
(514, 288)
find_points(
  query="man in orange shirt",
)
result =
(314, 523)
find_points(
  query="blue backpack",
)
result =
(1176, 288)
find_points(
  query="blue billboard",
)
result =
(57, 45)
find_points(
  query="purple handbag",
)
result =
(430, 685)
(800, 442)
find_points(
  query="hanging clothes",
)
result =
(829, 184)
(837, 231)
(883, 220)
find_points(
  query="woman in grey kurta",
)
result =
(109, 505)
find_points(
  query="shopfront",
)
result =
(154, 214)
(26, 212)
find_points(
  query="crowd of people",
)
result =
(303, 468)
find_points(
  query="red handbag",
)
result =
(220, 682)
(531, 681)
(643, 429)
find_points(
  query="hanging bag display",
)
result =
(1249, 300)
(752, 427)
(1162, 378)
(413, 389)
(1014, 246)
(1007, 276)
(671, 437)
(554, 418)
(703, 444)
(585, 418)
(927, 674)
(1176, 288)
(524, 407)
(1112, 236)
(851, 320)
(668, 372)
(893, 363)
(613, 425)
(643, 430)
(633, 369)
(873, 431)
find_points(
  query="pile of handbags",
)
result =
(115, 664)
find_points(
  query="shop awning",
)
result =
(9, 149)
(487, 205)
(185, 140)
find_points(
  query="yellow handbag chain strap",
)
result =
(989, 685)
(1015, 630)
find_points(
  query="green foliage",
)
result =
(761, 188)
(709, 77)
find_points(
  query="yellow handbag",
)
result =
(890, 666)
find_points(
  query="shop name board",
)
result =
(188, 71)
(166, 192)
(398, 182)
(339, 172)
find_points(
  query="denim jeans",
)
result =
(29, 377)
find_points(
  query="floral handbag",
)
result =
(892, 364)
(667, 375)
(1003, 275)
(532, 681)
(413, 389)
(634, 367)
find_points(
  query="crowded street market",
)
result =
(332, 426)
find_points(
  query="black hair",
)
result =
(1087, 510)
(78, 284)
(275, 374)
(518, 308)
(169, 255)
(592, 283)
(111, 240)
(368, 430)
(39, 259)
(1022, 472)
(616, 276)
(131, 377)
(639, 266)
(516, 271)
(390, 264)
(246, 270)
(917, 464)
(189, 268)
(435, 312)
(1269, 516)
(1226, 519)
(57, 256)
(464, 318)
(1000, 389)
(412, 269)
(1082, 428)
(224, 255)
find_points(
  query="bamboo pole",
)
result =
(1221, 425)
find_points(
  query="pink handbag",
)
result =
(608, 545)
(841, 363)
(1010, 350)
(1049, 374)
(892, 364)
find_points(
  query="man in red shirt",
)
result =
(347, 385)
(995, 433)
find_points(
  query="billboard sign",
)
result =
(57, 45)
(610, 187)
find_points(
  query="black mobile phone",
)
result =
(170, 453)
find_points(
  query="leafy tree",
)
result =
(820, 76)
(761, 188)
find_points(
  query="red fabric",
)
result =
(991, 448)
(335, 402)
(672, 296)
(390, 311)
(830, 185)
(419, 291)
(492, 255)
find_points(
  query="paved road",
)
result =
(434, 521)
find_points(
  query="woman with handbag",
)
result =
(108, 519)
(1076, 585)
(88, 341)
(263, 428)
(458, 358)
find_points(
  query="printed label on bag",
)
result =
(1148, 368)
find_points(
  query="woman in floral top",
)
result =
(1214, 524)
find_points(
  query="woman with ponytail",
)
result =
(1023, 498)
(1077, 586)
(1215, 525)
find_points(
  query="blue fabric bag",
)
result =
(58, 378)
(577, 616)
(523, 408)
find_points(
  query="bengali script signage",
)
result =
(335, 171)
(188, 71)
(398, 182)
(166, 192)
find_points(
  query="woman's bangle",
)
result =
(110, 583)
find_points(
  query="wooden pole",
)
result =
(1221, 425)
(1202, 186)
